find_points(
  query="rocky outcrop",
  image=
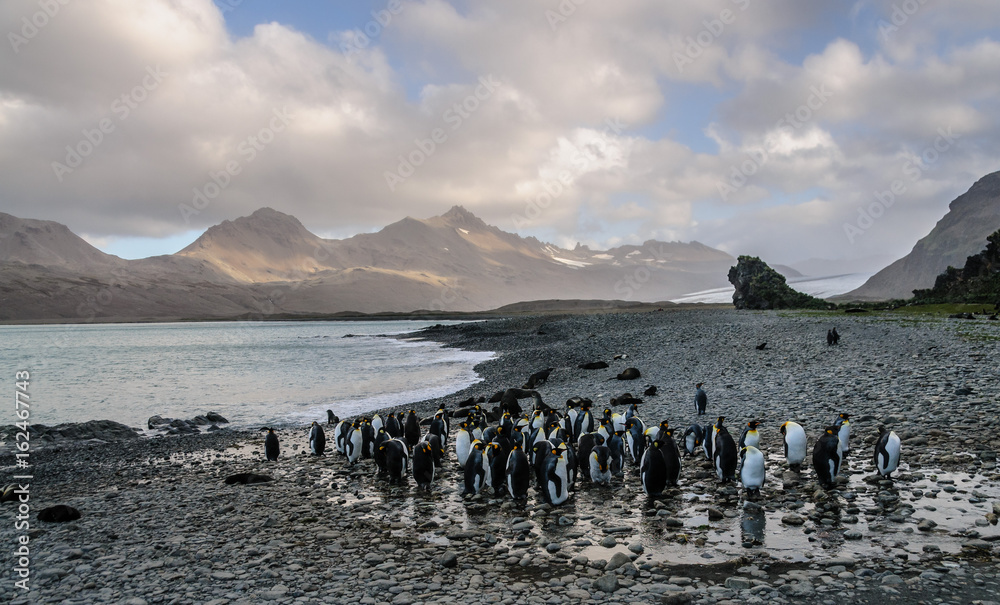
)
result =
(177, 426)
(758, 286)
(977, 282)
(105, 430)
(959, 234)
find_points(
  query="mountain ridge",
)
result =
(960, 233)
(269, 263)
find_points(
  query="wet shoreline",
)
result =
(703, 542)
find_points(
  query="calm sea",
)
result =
(253, 373)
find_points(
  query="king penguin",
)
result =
(477, 471)
(396, 460)
(725, 453)
(653, 470)
(700, 399)
(317, 439)
(827, 456)
(340, 436)
(411, 430)
(750, 435)
(844, 433)
(886, 452)
(423, 465)
(795, 443)
(556, 486)
(671, 458)
(463, 444)
(518, 473)
(355, 442)
(693, 437)
(599, 464)
(752, 470)
(271, 446)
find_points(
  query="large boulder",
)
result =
(758, 286)
(105, 430)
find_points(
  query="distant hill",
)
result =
(970, 219)
(268, 263)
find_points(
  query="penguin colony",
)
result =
(555, 450)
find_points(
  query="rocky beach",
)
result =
(159, 524)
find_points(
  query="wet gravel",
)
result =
(160, 526)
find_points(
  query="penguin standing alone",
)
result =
(827, 456)
(752, 470)
(795, 443)
(886, 452)
(271, 446)
(317, 439)
(700, 399)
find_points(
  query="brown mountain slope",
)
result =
(961, 233)
(269, 263)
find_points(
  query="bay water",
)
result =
(253, 373)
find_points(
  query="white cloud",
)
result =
(353, 118)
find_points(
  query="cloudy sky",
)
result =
(756, 127)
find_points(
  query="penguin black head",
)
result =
(599, 439)
(719, 422)
(881, 429)
(698, 386)
(832, 430)
(783, 425)
(753, 424)
(657, 443)
(845, 416)
(664, 425)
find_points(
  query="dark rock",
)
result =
(593, 365)
(247, 478)
(60, 513)
(629, 374)
(758, 286)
